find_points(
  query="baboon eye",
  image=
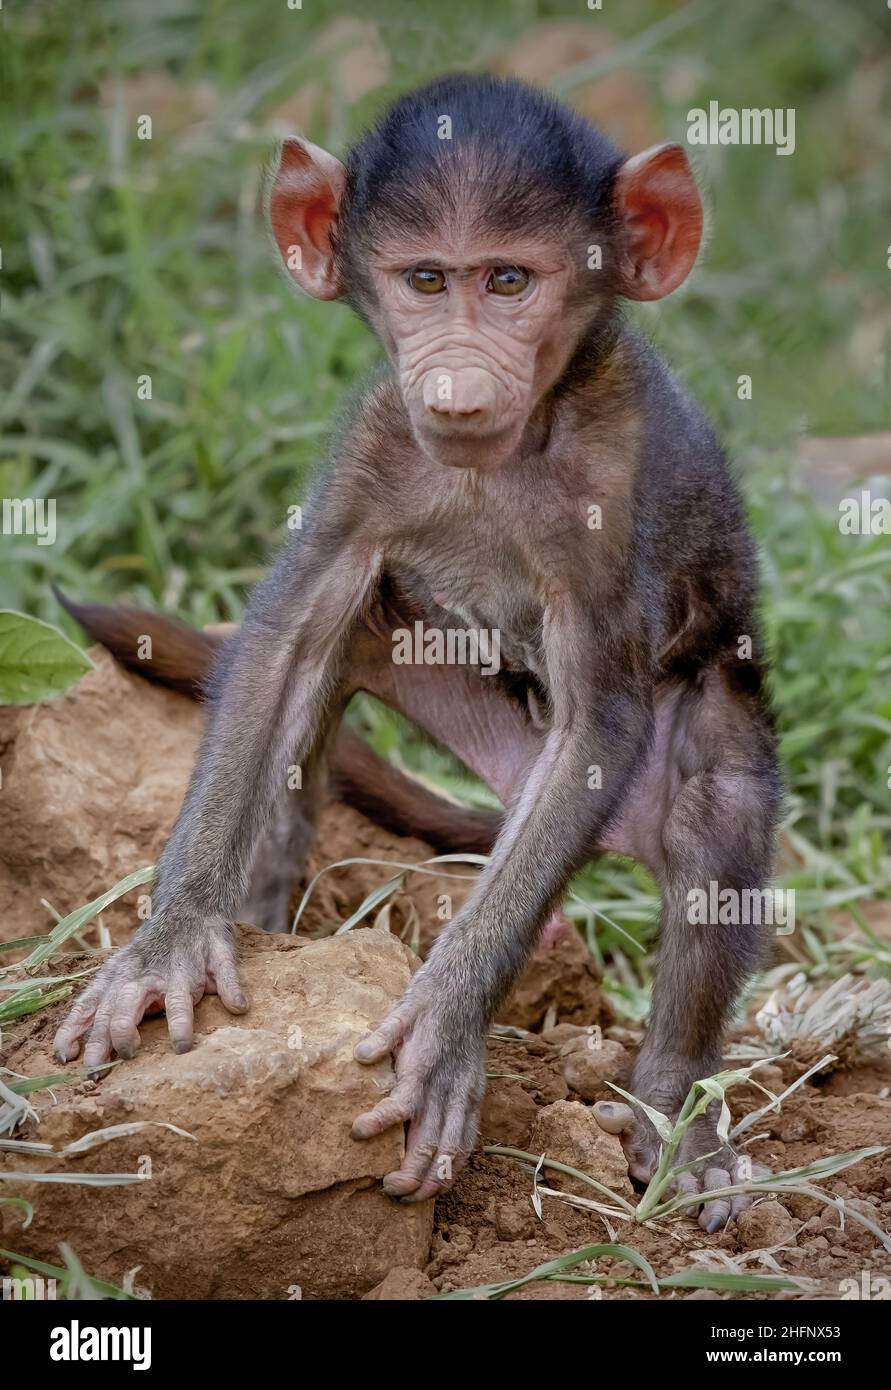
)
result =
(427, 281)
(507, 279)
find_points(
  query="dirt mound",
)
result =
(92, 782)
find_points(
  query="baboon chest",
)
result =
(489, 590)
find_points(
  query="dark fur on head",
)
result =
(516, 158)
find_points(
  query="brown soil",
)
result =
(486, 1230)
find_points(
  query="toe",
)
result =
(716, 1211)
(98, 1044)
(421, 1153)
(180, 1016)
(455, 1140)
(394, 1109)
(66, 1044)
(613, 1117)
(384, 1039)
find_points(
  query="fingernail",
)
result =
(182, 1046)
(241, 1001)
(363, 1050)
(397, 1185)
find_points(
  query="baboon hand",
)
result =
(440, 1080)
(160, 970)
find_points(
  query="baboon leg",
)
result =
(718, 830)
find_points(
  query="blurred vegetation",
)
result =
(124, 257)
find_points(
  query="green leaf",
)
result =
(64, 1275)
(19, 1202)
(737, 1283)
(28, 1000)
(29, 1084)
(72, 924)
(37, 661)
(76, 1179)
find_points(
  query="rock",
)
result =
(766, 1224)
(275, 1194)
(853, 1204)
(449, 1249)
(803, 1207)
(565, 1032)
(568, 1132)
(508, 1114)
(514, 1221)
(831, 467)
(401, 1285)
(81, 811)
(855, 1236)
(628, 1037)
(589, 1063)
(794, 1124)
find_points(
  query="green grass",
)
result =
(123, 257)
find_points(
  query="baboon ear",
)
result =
(656, 198)
(304, 200)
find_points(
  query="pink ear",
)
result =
(658, 203)
(304, 199)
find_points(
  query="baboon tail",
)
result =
(178, 656)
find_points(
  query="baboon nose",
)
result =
(470, 391)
